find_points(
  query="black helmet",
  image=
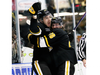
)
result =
(42, 13)
(56, 20)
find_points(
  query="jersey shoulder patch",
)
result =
(52, 35)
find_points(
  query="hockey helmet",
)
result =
(56, 20)
(42, 13)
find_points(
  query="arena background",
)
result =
(93, 30)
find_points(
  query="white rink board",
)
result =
(25, 69)
(27, 55)
(80, 69)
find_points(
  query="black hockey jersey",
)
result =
(50, 45)
(41, 51)
(61, 52)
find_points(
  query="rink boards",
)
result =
(25, 69)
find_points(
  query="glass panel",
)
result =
(14, 35)
(64, 9)
(65, 12)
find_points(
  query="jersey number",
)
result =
(51, 35)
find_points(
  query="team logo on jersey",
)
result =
(52, 35)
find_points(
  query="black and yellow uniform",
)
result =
(62, 54)
(48, 61)
(62, 57)
(41, 57)
(37, 38)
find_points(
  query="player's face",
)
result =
(56, 25)
(47, 20)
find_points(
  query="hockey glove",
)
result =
(34, 8)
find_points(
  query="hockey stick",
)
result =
(79, 22)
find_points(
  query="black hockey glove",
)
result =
(34, 8)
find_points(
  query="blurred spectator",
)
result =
(51, 7)
(14, 47)
(13, 20)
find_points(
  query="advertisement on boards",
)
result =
(27, 55)
(26, 68)
(21, 69)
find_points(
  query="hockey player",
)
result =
(44, 59)
(41, 56)
(56, 22)
(63, 55)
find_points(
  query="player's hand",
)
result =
(84, 62)
(34, 8)
(35, 17)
